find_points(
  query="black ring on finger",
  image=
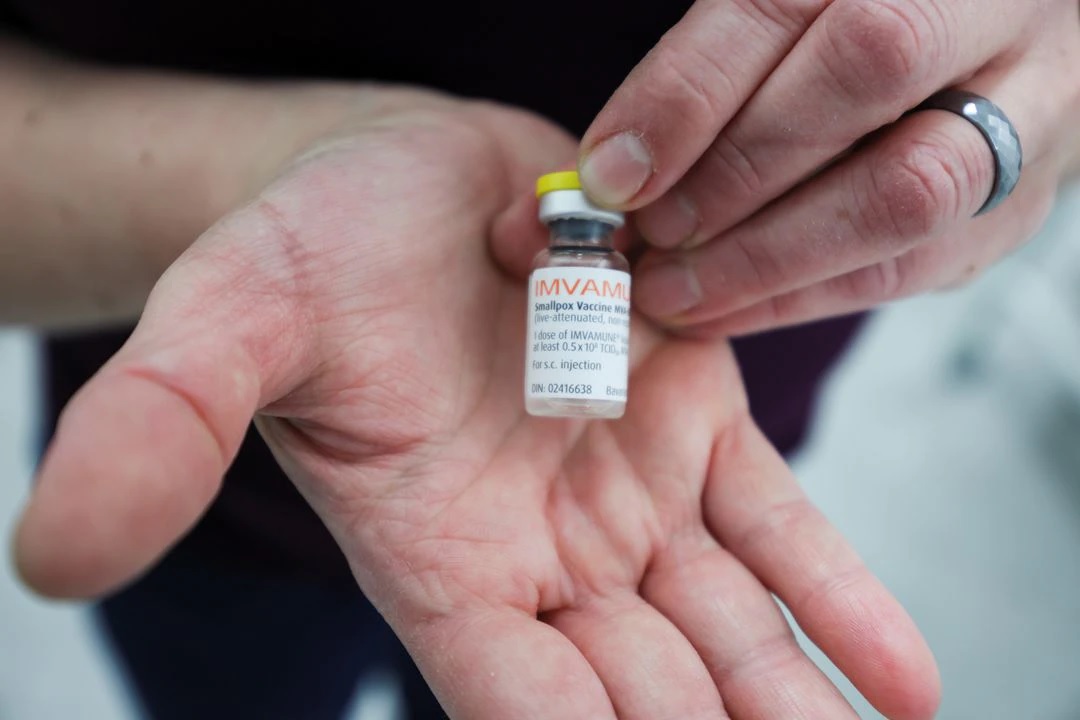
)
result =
(999, 132)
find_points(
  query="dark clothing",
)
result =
(202, 642)
(259, 548)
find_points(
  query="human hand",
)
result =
(534, 568)
(749, 137)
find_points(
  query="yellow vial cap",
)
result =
(566, 180)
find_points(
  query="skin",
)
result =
(778, 179)
(87, 227)
(365, 305)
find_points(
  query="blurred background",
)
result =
(947, 448)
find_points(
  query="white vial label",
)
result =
(578, 340)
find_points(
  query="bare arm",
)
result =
(107, 175)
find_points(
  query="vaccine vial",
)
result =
(578, 337)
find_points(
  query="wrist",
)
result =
(251, 132)
(240, 136)
(293, 120)
(107, 175)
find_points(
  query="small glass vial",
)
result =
(578, 338)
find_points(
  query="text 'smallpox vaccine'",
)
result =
(578, 338)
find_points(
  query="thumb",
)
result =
(140, 451)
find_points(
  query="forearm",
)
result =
(107, 175)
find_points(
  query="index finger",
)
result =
(759, 514)
(674, 103)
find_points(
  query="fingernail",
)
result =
(667, 289)
(616, 169)
(669, 222)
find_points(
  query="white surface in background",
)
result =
(948, 451)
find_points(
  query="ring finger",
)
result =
(926, 268)
(924, 177)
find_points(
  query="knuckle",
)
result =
(770, 658)
(916, 190)
(762, 266)
(786, 519)
(878, 283)
(692, 80)
(829, 591)
(739, 173)
(789, 15)
(878, 50)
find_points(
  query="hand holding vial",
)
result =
(368, 309)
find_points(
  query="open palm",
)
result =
(535, 568)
